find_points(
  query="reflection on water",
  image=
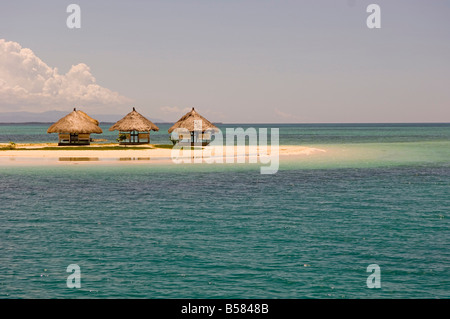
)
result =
(134, 159)
(78, 159)
(95, 159)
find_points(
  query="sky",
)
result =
(235, 61)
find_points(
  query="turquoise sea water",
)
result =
(379, 195)
(290, 134)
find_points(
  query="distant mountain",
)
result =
(53, 116)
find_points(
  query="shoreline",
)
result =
(150, 153)
(346, 155)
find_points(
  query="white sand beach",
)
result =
(38, 153)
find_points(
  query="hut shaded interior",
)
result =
(75, 128)
(134, 129)
(193, 129)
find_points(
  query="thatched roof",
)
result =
(188, 122)
(76, 122)
(88, 117)
(134, 121)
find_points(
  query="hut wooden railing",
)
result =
(74, 139)
(144, 137)
(193, 139)
(135, 138)
(84, 138)
(63, 139)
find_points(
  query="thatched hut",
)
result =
(134, 129)
(75, 128)
(192, 128)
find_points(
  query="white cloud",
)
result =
(27, 83)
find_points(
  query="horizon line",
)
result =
(256, 123)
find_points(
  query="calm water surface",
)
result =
(226, 231)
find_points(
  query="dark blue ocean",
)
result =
(226, 231)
